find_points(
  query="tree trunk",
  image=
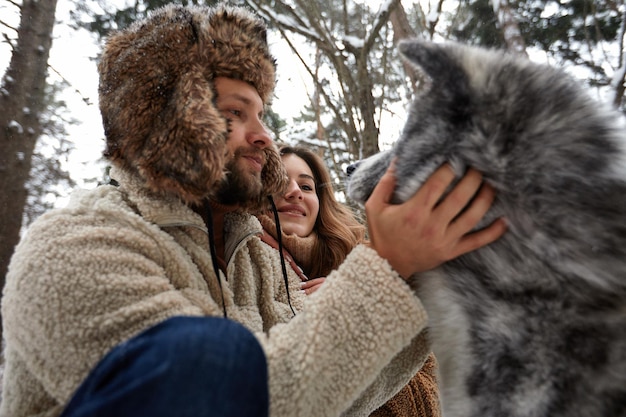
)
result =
(620, 74)
(21, 102)
(510, 29)
(353, 105)
(402, 30)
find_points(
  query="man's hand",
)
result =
(423, 233)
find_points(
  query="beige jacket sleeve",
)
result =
(80, 283)
(344, 339)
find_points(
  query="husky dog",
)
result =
(533, 325)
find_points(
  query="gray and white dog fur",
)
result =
(533, 325)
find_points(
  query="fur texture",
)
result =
(157, 97)
(533, 325)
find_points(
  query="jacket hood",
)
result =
(157, 96)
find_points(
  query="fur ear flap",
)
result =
(186, 151)
(274, 176)
(275, 180)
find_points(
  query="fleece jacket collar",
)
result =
(172, 212)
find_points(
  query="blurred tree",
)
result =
(22, 98)
(583, 34)
(351, 41)
(402, 29)
(274, 123)
(586, 34)
(509, 27)
(48, 179)
(474, 22)
(112, 17)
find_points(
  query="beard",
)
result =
(240, 186)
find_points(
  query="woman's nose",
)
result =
(293, 190)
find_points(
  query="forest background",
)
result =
(342, 88)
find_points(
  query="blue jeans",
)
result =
(182, 367)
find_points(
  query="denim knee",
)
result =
(189, 339)
(183, 366)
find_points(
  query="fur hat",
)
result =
(157, 95)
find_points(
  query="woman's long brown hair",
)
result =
(337, 228)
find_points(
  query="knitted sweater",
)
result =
(419, 398)
(118, 260)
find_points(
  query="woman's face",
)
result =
(299, 206)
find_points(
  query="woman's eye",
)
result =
(235, 112)
(306, 187)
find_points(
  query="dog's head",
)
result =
(516, 121)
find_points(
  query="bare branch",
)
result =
(19, 6)
(76, 90)
(8, 41)
(296, 26)
(381, 20)
(5, 24)
(319, 85)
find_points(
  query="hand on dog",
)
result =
(424, 232)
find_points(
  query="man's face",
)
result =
(240, 103)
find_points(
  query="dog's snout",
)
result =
(352, 167)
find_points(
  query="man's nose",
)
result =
(259, 135)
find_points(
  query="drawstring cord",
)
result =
(279, 238)
(209, 216)
(216, 269)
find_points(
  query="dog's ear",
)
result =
(448, 84)
(430, 58)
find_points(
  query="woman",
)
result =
(317, 233)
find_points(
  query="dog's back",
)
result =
(535, 323)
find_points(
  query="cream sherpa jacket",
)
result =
(116, 261)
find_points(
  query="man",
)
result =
(113, 304)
